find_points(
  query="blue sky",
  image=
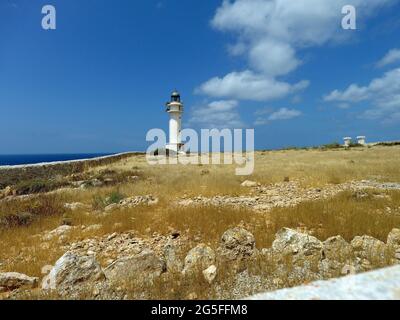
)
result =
(99, 81)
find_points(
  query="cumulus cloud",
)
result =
(217, 114)
(382, 94)
(278, 27)
(284, 114)
(270, 34)
(247, 85)
(391, 57)
(281, 114)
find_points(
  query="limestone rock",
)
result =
(200, 258)
(60, 231)
(237, 243)
(397, 255)
(336, 252)
(336, 248)
(368, 249)
(76, 206)
(299, 246)
(143, 266)
(249, 184)
(14, 280)
(131, 202)
(173, 263)
(72, 271)
(111, 207)
(210, 273)
(393, 238)
(138, 200)
(93, 227)
(6, 192)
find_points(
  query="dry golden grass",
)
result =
(313, 168)
(345, 214)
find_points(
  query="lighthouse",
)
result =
(175, 110)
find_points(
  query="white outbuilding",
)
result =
(361, 140)
(347, 141)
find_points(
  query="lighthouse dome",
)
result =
(175, 96)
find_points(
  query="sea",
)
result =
(19, 159)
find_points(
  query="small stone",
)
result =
(111, 207)
(192, 296)
(96, 292)
(112, 236)
(249, 184)
(348, 269)
(210, 273)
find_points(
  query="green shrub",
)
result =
(38, 186)
(99, 202)
(333, 145)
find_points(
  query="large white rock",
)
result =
(369, 251)
(71, 271)
(301, 246)
(237, 243)
(337, 257)
(143, 266)
(199, 258)
(15, 280)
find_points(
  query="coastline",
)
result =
(51, 163)
(13, 174)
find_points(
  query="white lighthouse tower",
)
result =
(175, 110)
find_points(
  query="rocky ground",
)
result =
(107, 267)
(284, 194)
(100, 268)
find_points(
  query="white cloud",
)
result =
(273, 58)
(391, 57)
(353, 93)
(284, 114)
(343, 105)
(270, 34)
(274, 29)
(382, 94)
(281, 114)
(247, 85)
(217, 114)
